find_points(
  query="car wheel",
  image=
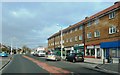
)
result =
(83, 60)
(73, 60)
(66, 59)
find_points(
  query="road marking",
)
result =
(49, 68)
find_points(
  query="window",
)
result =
(96, 33)
(70, 31)
(96, 21)
(81, 27)
(89, 35)
(111, 15)
(75, 38)
(90, 52)
(73, 29)
(112, 29)
(70, 39)
(114, 52)
(66, 40)
(89, 23)
(76, 29)
(80, 37)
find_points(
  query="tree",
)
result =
(25, 49)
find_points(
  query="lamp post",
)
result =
(61, 41)
(11, 47)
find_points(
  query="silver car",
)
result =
(53, 56)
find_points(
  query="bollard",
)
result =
(103, 61)
(119, 60)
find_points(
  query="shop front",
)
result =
(67, 50)
(79, 48)
(93, 51)
(111, 49)
(90, 51)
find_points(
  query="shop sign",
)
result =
(90, 47)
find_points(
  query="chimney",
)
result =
(117, 2)
(86, 17)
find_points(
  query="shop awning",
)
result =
(79, 47)
(112, 44)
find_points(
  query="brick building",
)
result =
(98, 36)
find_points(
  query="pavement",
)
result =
(4, 61)
(105, 67)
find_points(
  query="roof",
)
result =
(116, 5)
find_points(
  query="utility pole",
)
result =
(61, 41)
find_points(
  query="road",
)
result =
(39, 65)
(20, 64)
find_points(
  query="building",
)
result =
(98, 36)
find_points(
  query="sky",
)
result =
(31, 23)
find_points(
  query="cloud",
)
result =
(22, 13)
(32, 23)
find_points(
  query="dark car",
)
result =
(74, 57)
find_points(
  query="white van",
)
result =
(41, 53)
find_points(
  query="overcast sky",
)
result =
(31, 23)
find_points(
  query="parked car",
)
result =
(3, 54)
(74, 57)
(53, 56)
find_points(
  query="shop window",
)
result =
(88, 52)
(98, 52)
(92, 52)
(118, 53)
(112, 29)
(114, 52)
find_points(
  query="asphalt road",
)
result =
(19, 65)
(75, 68)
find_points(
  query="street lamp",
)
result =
(61, 41)
(11, 47)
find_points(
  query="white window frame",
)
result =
(70, 39)
(112, 15)
(76, 29)
(89, 35)
(80, 37)
(112, 29)
(63, 41)
(66, 40)
(96, 21)
(75, 38)
(89, 23)
(81, 27)
(71, 31)
(97, 33)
